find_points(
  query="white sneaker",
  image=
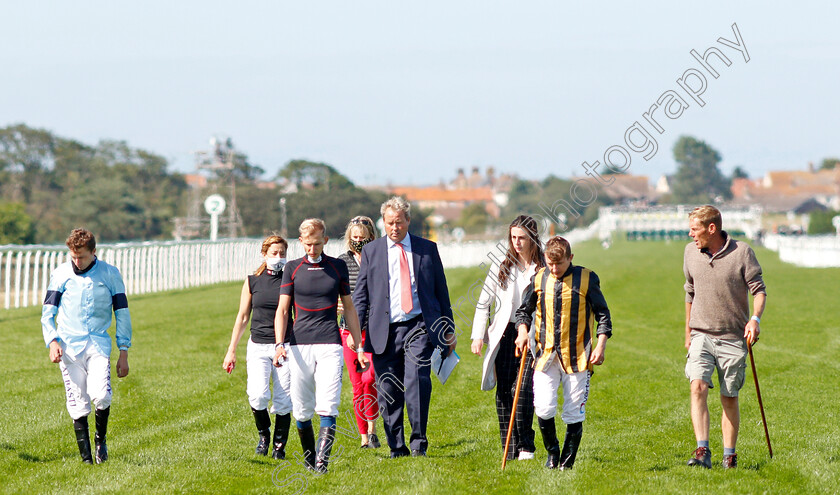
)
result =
(526, 456)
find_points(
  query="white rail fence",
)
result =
(474, 253)
(160, 266)
(806, 251)
(671, 220)
(153, 267)
(145, 267)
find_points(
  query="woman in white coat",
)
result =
(500, 298)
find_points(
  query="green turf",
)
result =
(180, 424)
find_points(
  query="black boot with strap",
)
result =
(263, 421)
(552, 445)
(80, 426)
(326, 438)
(101, 449)
(574, 432)
(281, 435)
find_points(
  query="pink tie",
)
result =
(405, 282)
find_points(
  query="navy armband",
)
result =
(119, 301)
(53, 297)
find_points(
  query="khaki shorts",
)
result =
(729, 357)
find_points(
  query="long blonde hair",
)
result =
(266, 243)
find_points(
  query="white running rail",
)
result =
(806, 251)
(159, 266)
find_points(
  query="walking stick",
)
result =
(513, 410)
(760, 404)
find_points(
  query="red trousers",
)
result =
(364, 385)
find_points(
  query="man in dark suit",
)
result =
(401, 292)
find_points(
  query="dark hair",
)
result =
(529, 225)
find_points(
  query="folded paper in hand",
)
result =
(443, 367)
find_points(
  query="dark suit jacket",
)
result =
(372, 295)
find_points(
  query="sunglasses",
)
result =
(363, 221)
(359, 367)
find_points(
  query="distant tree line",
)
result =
(821, 222)
(50, 185)
(312, 190)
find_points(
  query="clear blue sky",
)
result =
(406, 92)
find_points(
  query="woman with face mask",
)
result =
(359, 232)
(266, 383)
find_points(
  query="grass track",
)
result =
(180, 424)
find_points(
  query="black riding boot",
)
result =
(263, 421)
(307, 443)
(326, 438)
(552, 445)
(281, 435)
(574, 432)
(101, 449)
(83, 439)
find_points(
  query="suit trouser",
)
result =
(403, 378)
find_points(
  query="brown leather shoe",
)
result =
(730, 461)
(702, 456)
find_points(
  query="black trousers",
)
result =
(403, 380)
(507, 367)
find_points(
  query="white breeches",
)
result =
(87, 377)
(316, 379)
(267, 382)
(575, 393)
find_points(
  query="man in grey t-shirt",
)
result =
(720, 272)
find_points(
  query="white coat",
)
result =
(501, 300)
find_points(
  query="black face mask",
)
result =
(358, 245)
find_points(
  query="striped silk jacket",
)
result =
(564, 311)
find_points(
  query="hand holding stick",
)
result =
(513, 409)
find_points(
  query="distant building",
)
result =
(663, 185)
(447, 200)
(798, 191)
(195, 181)
(266, 184)
(627, 188)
